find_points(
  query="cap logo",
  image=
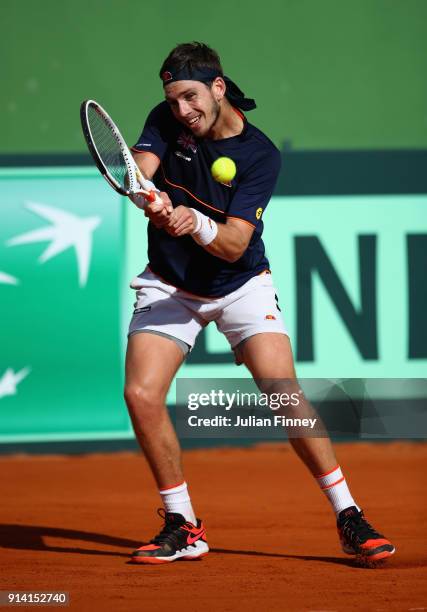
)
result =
(166, 76)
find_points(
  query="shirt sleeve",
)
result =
(154, 137)
(256, 187)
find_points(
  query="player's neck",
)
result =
(229, 123)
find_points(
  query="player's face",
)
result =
(194, 104)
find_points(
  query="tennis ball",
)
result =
(223, 170)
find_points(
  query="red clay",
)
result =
(69, 523)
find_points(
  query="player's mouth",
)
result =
(194, 122)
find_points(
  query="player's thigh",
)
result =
(268, 356)
(151, 364)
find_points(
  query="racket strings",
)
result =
(108, 146)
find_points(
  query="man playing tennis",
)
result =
(207, 263)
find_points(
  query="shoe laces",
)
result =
(170, 530)
(357, 528)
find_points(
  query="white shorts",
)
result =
(162, 308)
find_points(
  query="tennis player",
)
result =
(207, 263)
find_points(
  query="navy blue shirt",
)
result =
(184, 173)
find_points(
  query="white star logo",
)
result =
(67, 230)
(7, 279)
(10, 380)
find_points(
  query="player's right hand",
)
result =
(157, 212)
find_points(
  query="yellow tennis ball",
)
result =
(223, 169)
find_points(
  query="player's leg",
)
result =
(266, 351)
(269, 356)
(252, 322)
(161, 332)
(151, 363)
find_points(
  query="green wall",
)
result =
(69, 245)
(61, 358)
(326, 74)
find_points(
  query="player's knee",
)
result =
(143, 401)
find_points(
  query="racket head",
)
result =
(108, 148)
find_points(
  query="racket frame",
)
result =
(137, 183)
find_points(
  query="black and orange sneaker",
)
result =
(179, 539)
(357, 537)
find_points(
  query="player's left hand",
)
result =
(182, 221)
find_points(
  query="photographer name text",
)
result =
(250, 421)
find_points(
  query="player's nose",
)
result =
(184, 109)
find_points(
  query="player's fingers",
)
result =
(169, 230)
(172, 221)
(186, 228)
(165, 199)
(179, 223)
(155, 207)
(184, 217)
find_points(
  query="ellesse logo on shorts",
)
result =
(144, 309)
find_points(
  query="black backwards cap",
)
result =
(233, 93)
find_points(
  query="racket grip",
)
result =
(152, 196)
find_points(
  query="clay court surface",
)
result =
(69, 522)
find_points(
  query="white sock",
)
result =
(176, 499)
(335, 488)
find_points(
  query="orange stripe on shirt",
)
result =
(244, 220)
(192, 195)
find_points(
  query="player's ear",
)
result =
(218, 88)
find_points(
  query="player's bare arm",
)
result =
(230, 243)
(147, 163)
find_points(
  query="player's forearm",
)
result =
(227, 241)
(228, 244)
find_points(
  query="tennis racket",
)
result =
(111, 154)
